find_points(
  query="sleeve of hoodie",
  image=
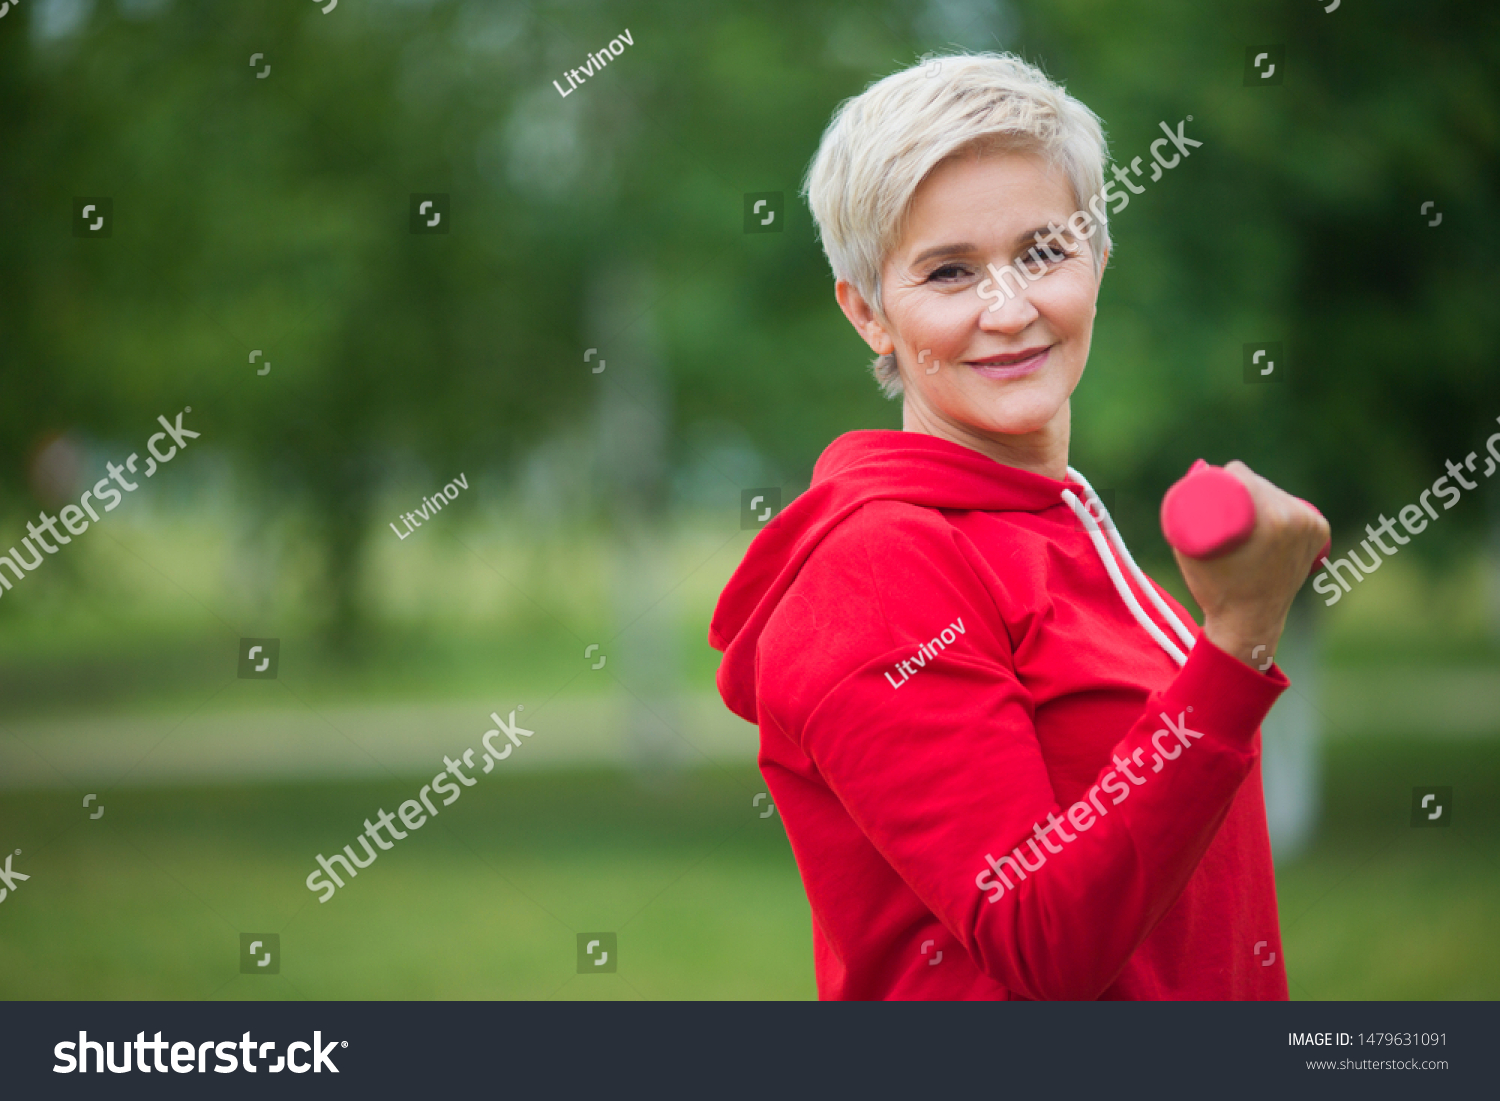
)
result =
(945, 771)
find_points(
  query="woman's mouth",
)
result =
(1011, 365)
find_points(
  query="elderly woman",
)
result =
(1008, 765)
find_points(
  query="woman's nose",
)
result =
(1010, 314)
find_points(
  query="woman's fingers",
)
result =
(1246, 594)
(1288, 519)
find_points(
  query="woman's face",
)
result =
(999, 379)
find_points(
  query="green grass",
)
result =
(483, 902)
(1381, 910)
(486, 901)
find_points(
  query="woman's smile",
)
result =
(1011, 364)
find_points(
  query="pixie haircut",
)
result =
(885, 141)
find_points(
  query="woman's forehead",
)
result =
(986, 194)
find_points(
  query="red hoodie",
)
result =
(996, 782)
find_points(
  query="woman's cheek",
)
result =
(954, 325)
(1084, 293)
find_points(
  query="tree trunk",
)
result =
(633, 418)
(1494, 510)
(342, 497)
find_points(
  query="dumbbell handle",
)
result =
(1209, 512)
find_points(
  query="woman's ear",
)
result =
(863, 317)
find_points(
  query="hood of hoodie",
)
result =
(856, 468)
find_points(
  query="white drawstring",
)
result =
(1187, 636)
(1091, 525)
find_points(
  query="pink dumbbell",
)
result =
(1208, 512)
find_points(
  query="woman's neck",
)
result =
(1043, 452)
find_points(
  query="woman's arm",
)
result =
(946, 779)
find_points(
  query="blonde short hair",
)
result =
(882, 143)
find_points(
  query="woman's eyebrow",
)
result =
(967, 249)
(1034, 234)
(944, 250)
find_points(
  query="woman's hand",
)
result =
(1246, 594)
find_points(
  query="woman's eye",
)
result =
(948, 272)
(1047, 254)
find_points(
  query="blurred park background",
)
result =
(610, 359)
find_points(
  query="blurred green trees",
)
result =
(272, 213)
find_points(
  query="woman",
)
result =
(1007, 765)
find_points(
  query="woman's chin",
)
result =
(1008, 421)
